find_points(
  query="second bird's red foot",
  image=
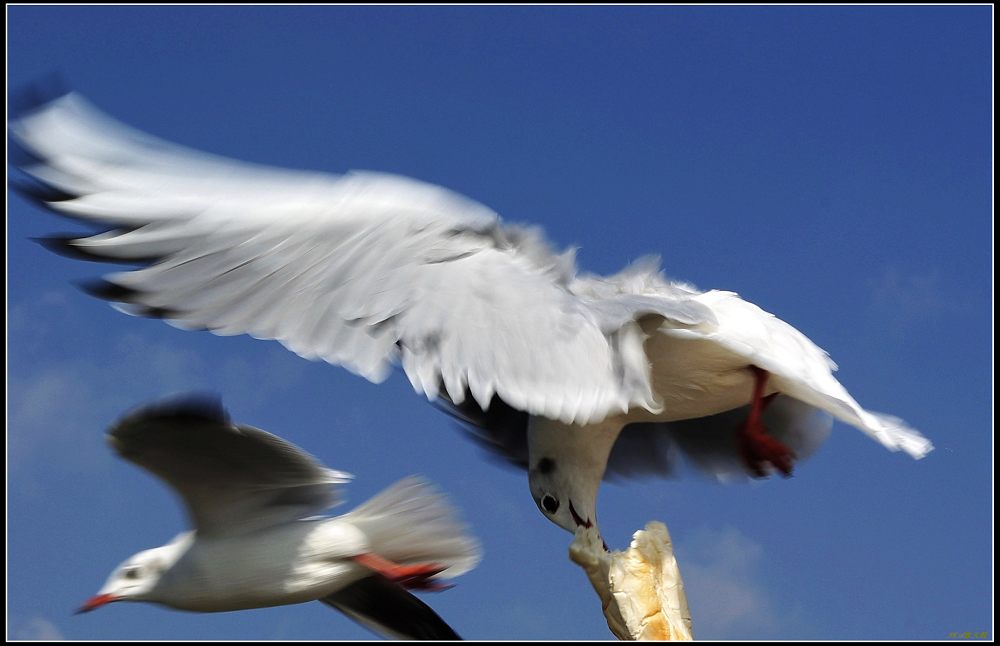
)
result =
(417, 576)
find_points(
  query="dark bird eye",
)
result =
(550, 504)
(132, 573)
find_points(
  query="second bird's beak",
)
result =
(96, 602)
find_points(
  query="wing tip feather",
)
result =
(35, 95)
(183, 409)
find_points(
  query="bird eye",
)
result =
(132, 573)
(550, 504)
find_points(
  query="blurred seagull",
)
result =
(257, 541)
(570, 375)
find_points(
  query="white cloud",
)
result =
(27, 322)
(901, 298)
(38, 629)
(722, 574)
(250, 384)
(167, 367)
(60, 404)
(51, 417)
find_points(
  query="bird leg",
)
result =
(756, 446)
(415, 577)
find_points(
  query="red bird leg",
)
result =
(416, 576)
(757, 447)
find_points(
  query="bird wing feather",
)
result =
(362, 270)
(232, 478)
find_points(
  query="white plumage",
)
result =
(367, 270)
(259, 537)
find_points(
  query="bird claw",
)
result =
(417, 576)
(759, 450)
(427, 585)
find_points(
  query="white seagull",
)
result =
(366, 270)
(258, 540)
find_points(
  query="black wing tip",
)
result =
(500, 430)
(39, 193)
(21, 157)
(185, 408)
(63, 245)
(494, 450)
(383, 605)
(35, 191)
(38, 93)
(165, 313)
(107, 290)
(114, 293)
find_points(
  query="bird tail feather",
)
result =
(411, 522)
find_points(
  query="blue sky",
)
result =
(831, 164)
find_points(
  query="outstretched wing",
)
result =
(232, 478)
(361, 270)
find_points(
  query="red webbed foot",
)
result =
(757, 447)
(416, 576)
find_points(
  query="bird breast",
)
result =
(695, 376)
(293, 563)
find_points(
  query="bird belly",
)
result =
(293, 564)
(695, 376)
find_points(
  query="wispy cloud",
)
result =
(251, 384)
(59, 408)
(27, 321)
(38, 629)
(903, 298)
(722, 572)
(60, 401)
(49, 412)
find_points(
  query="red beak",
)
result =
(96, 602)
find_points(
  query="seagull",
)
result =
(575, 377)
(254, 500)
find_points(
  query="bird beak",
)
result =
(580, 522)
(586, 524)
(96, 602)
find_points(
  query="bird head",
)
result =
(133, 580)
(564, 495)
(565, 466)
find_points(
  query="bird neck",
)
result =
(165, 558)
(581, 452)
(584, 446)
